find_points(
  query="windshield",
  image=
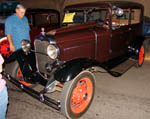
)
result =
(84, 16)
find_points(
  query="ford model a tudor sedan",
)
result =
(97, 36)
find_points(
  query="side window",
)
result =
(135, 16)
(98, 15)
(121, 20)
(79, 17)
(53, 19)
(41, 19)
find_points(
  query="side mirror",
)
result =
(118, 12)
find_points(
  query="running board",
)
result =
(122, 68)
(37, 95)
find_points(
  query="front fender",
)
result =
(139, 41)
(25, 62)
(72, 68)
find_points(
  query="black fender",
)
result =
(137, 45)
(72, 68)
(134, 48)
(25, 62)
(139, 42)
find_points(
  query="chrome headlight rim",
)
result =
(26, 45)
(53, 51)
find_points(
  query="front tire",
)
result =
(14, 70)
(77, 95)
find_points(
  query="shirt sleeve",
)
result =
(1, 60)
(8, 27)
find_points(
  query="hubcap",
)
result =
(81, 95)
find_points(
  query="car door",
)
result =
(135, 25)
(120, 34)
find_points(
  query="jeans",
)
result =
(3, 102)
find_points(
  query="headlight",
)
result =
(26, 46)
(52, 51)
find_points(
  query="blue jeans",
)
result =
(3, 102)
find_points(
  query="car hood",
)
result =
(75, 31)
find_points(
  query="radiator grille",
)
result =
(42, 58)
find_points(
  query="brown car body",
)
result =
(100, 42)
(94, 41)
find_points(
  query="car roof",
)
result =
(41, 10)
(110, 4)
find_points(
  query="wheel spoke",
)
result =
(19, 73)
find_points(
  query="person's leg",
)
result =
(3, 102)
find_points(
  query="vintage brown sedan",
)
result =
(97, 36)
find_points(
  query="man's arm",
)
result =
(1, 62)
(8, 32)
(12, 48)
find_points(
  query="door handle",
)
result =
(130, 29)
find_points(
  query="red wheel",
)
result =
(14, 70)
(141, 56)
(77, 95)
(4, 47)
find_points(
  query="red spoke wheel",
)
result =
(77, 95)
(14, 70)
(19, 76)
(4, 47)
(141, 56)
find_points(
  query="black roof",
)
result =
(122, 4)
(41, 10)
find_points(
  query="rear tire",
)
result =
(141, 56)
(77, 95)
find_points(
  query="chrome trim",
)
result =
(95, 43)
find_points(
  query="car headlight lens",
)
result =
(26, 46)
(52, 51)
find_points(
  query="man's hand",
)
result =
(12, 47)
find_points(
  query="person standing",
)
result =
(3, 93)
(17, 28)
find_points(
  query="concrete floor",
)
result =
(126, 97)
